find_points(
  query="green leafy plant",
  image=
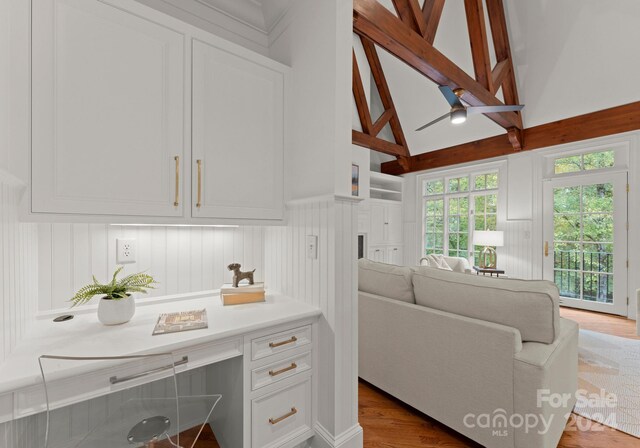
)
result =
(114, 290)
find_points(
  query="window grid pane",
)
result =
(584, 162)
(448, 219)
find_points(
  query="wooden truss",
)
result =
(370, 130)
(410, 36)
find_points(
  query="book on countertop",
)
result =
(181, 321)
(228, 288)
(242, 297)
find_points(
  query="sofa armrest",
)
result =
(445, 365)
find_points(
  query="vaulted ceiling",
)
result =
(571, 57)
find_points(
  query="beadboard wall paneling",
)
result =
(182, 259)
(18, 270)
(330, 283)
(516, 255)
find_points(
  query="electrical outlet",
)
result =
(312, 247)
(125, 250)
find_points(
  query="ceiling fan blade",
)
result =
(451, 97)
(493, 109)
(434, 121)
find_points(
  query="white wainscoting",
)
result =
(18, 270)
(182, 259)
(329, 282)
(516, 255)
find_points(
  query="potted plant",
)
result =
(117, 304)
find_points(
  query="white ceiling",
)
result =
(571, 57)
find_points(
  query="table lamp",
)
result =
(488, 239)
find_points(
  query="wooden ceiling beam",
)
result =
(500, 35)
(499, 73)
(602, 123)
(410, 13)
(432, 11)
(360, 97)
(382, 122)
(375, 22)
(377, 144)
(385, 94)
(516, 138)
(479, 43)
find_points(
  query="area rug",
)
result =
(609, 381)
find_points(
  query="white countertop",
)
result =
(84, 335)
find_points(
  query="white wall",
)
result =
(18, 270)
(315, 40)
(522, 221)
(181, 259)
(574, 56)
(330, 283)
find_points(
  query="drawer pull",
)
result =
(286, 369)
(275, 421)
(279, 344)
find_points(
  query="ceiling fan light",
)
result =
(458, 116)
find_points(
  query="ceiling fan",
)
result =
(459, 111)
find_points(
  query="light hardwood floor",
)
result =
(389, 423)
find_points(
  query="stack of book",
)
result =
(242, 294)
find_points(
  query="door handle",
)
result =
(546, 248)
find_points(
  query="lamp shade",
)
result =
(488, 238)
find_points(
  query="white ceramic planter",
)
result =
(115, 312)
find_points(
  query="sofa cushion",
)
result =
(385, 280)
(531, 306)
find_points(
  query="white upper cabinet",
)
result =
(141, 118)
(108, 111)
(238, 107)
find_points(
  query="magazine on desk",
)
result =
(181, 321)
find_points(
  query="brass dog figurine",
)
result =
(238, 275)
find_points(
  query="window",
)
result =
(453, 207)
(584, 162)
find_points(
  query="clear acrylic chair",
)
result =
(113, 402)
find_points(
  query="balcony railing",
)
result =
(589, 272)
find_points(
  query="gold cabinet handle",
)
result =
(292, 412)
(199, 202)
(546, 248)
(278, 344)
(281, 371)
(176, 201)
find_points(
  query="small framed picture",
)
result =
(355, 180)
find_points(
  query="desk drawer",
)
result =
(280, 370)
(280, 342)
(281, 416)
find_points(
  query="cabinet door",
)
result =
(394, 255)
(378, 254)
(393, 224)
(237, 136)
(378, 225)
(108, 103)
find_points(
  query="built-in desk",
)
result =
(273, 342)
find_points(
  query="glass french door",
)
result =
(585, 240)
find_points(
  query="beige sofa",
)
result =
(488, 357)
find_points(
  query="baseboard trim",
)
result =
(351, 438)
